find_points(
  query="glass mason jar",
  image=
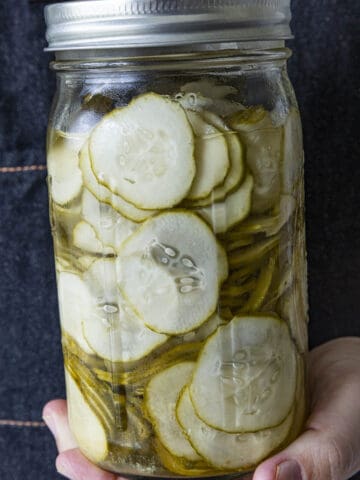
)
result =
(176, 193)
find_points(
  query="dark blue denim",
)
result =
(324, 73)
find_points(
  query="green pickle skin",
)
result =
(262, 274)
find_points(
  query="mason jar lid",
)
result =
(95, 24)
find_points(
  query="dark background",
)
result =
(324, 70)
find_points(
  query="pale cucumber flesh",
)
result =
(161, 397)
(148, 160)
(245, 377)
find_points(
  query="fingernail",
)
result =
(289, 470)
(51, 424)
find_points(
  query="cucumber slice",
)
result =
(74, 305)
(263, 283)
(229, 451)
(222, 264)
(145, 152)
(254, 253)
(111, 228)
(224, 215)
(103, 194)
(169, 272)
(205, 330)
(270, 224)
(250, 119)
(181, 466)
(98, 396)
(72, 264)
(112, 329)
(150, 366)
(263, 141)
(237, 290)
(161, 396)
(245, 377)
(65, 178)
(208, 94)
(85, 238)
(242, 241)
(211, 157)
(84, 423)
(237, 168)
(64, 219)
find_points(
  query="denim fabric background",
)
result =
(324, 71)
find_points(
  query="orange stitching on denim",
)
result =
(17, 423)
(25, 168)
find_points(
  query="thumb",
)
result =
(329, 449)
(314, 456)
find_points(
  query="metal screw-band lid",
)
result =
(95, 24)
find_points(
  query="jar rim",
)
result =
(98, 24)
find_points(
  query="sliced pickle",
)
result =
(161, 397)
(281, 283)
(236, 303)
(74, 305)
(258, 295)
(222, 216)
(245, 377)
(65, 262)
(145, 152)
(150, 366)
(111, 327)
(229, 290)
(210, 95)
(205, 330)
(225, 313)
(87, 428)
(270, 224)
(254, 253)
(65, 178)
(104, 195)
(85, 238)
(263, 141)
(141, 426)
(242, 241)
(72, 349)
(250, 119)
(168, 271)
(229, 451)
(211, 157)
(239, 275)
(64, 219)
(99, 396)
(111, 227)
(236, 171)
(137, 432)
(179, 465)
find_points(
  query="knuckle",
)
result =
(335, 459)
(326, 461)
(340, 458)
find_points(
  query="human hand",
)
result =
(329, 448)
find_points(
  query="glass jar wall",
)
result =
(176, 196)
